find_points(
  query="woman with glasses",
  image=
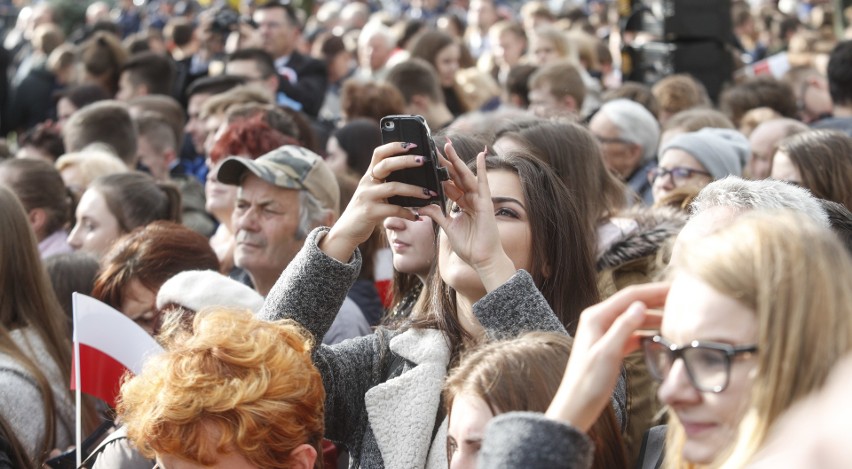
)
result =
(692, 160)
(754, 318)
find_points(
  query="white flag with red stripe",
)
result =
(107, 344)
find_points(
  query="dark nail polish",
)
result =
(418, 160)
(407, 145)
(426, 191)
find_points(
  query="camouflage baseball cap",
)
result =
(288, 167)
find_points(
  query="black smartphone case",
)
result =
(413, 129)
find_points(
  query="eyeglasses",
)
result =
(679, 174)
(708, 364)
(611, 140)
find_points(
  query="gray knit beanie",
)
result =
(721, 151)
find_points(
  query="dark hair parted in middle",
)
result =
(561, 250)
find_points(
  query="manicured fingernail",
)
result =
(426, 191)
(418, 160)
(407, 145)
(433, 193)
(416, 215)
(485, 150)
(448, 140)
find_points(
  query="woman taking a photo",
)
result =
(506, 254)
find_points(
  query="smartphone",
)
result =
(413, 129)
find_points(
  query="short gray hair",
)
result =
(635, 124)
(311, 214)
(743, 195)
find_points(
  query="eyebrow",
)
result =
(503, 200)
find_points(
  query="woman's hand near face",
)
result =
(471, 226)
(606, 333)
(369, 205)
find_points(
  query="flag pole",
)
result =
(77, 385)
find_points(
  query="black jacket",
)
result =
(311, 82)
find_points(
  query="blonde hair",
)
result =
(795, 276)
(232, 383)
(92, 162)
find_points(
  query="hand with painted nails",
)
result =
(470, 228)
(369, 205)
(607, 332)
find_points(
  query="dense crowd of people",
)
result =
(619, 273)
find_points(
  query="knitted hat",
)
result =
(722, 152)
(197, 289)
(289, 167)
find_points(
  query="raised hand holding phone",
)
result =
(370, 205)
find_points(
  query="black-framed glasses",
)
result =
(708, 364)
(612, 140)
(679, 174)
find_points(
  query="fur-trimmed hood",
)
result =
(636, 233)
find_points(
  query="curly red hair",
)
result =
(250, 138)
(234, 384)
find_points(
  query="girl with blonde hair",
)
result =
(744, 303)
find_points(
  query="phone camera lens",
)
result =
(389, 125)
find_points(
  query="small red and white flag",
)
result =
(107, 344)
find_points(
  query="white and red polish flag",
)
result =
(106, 345)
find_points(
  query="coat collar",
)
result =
(401, 411)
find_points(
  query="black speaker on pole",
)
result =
(691, 36)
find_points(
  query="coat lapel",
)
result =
(402, 410)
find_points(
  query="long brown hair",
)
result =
(575, 155)
(824, 160)
(39, 185)
(562, 252)
(523, 374)
(27, 301)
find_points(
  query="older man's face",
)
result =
(620, 156)
(266, 223)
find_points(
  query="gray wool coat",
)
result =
(388, 421)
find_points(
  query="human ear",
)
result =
(303, 457)
(38, 220)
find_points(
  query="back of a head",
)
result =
(103, 54)
(758, 92)
(840, 219)
(371, 100)
(90, 164)
(840, 74)
(242, 94)
(71, 272)
(167, 107)
(415, 77)
(824, 161)
(358, 138)
(106, 122)
(692, 120)
(635, 124)
(793, 274)
(428, 44)
(268, 114)
(135, 199)
(154, 71)
(260, 396)
(214, 85)
(635, 91)
(676, 93)
(563, 79)
(741, 195)
(38, 185)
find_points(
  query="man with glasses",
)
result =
(629, 134)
